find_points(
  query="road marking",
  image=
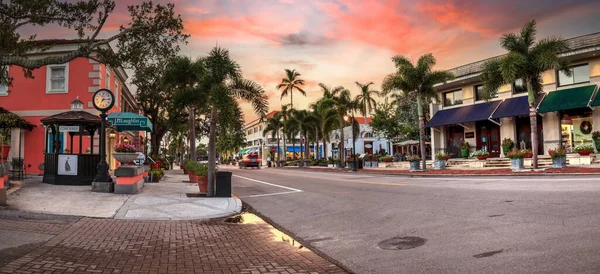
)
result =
(382, 184)
(293, 190)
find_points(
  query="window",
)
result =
(479, 93)
(57, 78)
(116, 93)
(519, 86)
(107, 78)
(453, 98)
(255, 130)
(579, 74)
(4, 88)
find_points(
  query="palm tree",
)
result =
(289, 84)
(343, 105)
(303, 121)
(329, 92)
(418, 79)
(274, 126)
(224, 85)
(366, 97)
(527, 60)
(326, 119)
(283, 117)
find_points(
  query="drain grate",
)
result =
(402, 243)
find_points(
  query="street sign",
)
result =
(68, 128)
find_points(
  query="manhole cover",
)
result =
(401, 243)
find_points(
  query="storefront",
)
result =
(573, 109)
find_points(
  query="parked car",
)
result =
(250, 160)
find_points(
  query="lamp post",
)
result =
(346, 118)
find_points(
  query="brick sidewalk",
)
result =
(125, 246)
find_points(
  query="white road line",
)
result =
(271, 194)
(270, 184)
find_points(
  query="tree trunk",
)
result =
(324, 142)
(533, 121)
(316, 149)
(341, 148)
(192, 130)
(422, 131)
(278, 147)
(292, 99)
(302, 148)
(211, 152)
(284, 147)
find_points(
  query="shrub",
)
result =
(557, 153)
(515, 154)
(413, 158)
(442, 156)
(584, 148)
(125, 148)
(388, 159)
(479, 153)
(596, 135)
(465, 145)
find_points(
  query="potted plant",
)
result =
(88, 150)
(201, 171)
(559, 157)
(596, 138)
(440, 160)
(184, 162)
(233, 162)
(125, 153)
(190, 167)
(584, 150)
(480, 154)
(414, 162)
(507, 145)
(516, 159)
(464, 149)
(388, 159)
(527, 153)
(349, 163)
(5, 146)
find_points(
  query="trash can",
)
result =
(223, 184)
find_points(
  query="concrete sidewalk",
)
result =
(165, 200)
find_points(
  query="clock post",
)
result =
(103, 100)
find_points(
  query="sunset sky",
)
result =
(338, 42)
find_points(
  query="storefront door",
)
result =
(524, 134)
(488, 138)
(456, 135)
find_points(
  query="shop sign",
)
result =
(67, 165)
(368, 146)
(68, 128)
(469, 135)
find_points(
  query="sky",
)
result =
(339, 42)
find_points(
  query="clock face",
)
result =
(103, 99)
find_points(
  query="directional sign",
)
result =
(68, 128)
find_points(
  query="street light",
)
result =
(346, 118)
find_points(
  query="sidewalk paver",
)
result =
(133, 246)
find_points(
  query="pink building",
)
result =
(50, 92)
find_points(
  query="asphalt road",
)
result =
(471, 225)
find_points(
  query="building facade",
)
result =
(366, 143)
(51, 90)
(567, 110)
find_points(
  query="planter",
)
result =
(367, 164)
(597, 144)
(185, 171)
(528, 155)
(415, 166)
(516, 164)
(202, 183)
(482, 157)
(233, 163)
(193, 177)
(125, 158)
(269, 164)
(306, 163)
(439, 164)
(585, 152)
(6, 149)
(559, 162)
(464, 153)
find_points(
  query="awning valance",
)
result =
(564, 99)
(511, 107)
(124, 121)
(459, 115)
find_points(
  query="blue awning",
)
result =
(511, 107)
(472, 113)
(294, 149)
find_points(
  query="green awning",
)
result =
(242, 151)
(127, 121)
(564, 99)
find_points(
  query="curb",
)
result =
(518, 174)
